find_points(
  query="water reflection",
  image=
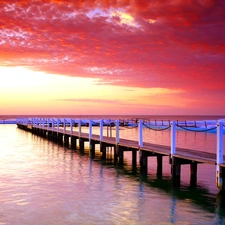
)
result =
(220, 210)
(41, 179)
(173, 210)
(198, 195)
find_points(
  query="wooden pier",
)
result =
(62, 131)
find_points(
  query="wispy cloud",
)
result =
(89, 100)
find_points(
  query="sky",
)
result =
(128, 57)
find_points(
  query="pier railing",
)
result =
(178, 156)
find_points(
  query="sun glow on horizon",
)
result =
(32, 92)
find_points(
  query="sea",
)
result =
(44, 183)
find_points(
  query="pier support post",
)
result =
(159, 165)
(220, 171)
(92, 149)
(143, 162)
(193, 174)
(116, 154)
(73, 142)
(54, 136)
(40, 132)
(60, 138)
(175, 171)
(134, 158)
(81, 145)
(103, 151)
(44, 133)
(120, 154)
(50, 135)
(66, 140)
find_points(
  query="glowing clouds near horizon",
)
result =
(44, 93)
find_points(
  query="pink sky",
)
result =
(139, 57)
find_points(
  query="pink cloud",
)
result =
(90, 100)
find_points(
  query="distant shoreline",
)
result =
(11, 119)
(5, 121)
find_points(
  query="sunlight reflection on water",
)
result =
(44, 183)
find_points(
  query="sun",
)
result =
(20, 77)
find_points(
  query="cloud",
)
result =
(164, 44)
(89, 100)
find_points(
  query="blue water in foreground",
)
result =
(44, 183)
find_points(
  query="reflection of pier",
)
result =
(62, 131)
(198, 196)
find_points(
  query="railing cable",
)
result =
(157, 129)
(205, 130)
(130, 127)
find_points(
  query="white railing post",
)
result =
(71, 126)
(219, 149)
(90, 129)
(101, 130)
(79, 128)
(53, 124)
(173, 138)
(64, 125)
(117, 131)
(140, 133)
(48, 123)
(58, 125)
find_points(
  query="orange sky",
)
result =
(123, 57)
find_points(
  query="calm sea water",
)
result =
(44, 183)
